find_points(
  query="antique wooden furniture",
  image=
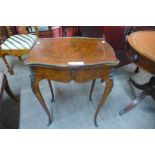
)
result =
(114, 35)
(5, 86)
(131, 29)
(141, 51)
(66, 59)
(16, 45)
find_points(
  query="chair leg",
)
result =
(8, 90)
(10, 70)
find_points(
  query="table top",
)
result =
(144, 43)
(69, 51)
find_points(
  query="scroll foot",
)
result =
(107, 90)
(35, 88)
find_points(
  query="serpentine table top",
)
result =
(71, 58)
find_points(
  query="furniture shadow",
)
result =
(9, 114)
(149, 109)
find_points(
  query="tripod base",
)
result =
(148, 89)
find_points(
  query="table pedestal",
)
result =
(148, 89)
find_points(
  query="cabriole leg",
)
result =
(91, 90)
(51, 89)
(35, 88)
(108, 87)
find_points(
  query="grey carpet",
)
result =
(72, 108)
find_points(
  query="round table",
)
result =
(141, 51)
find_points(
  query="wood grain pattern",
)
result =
(61, 51)
(49, 60)
(142, 45)
(141, 61)
(141, 51)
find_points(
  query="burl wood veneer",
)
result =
(66, 59)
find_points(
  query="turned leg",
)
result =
(35, 88)
(20, 58)
(107, 90)
(134, 103)
(91, 90)
(8, 90)
(51, 89)
(141, 87)
(10, 70)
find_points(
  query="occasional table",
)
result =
(66, 59)
(141, 51)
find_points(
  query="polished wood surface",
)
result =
(62, 51)
(66, 59)
(141, 51)
(144, 43)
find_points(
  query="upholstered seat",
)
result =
(19, 42)
(16, 41)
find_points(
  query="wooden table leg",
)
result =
(91, 90)
(108, 87)
(8, 90)
(51, 89)
(10, 70)
(148, 89)
(35, 88)
(134, 103)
